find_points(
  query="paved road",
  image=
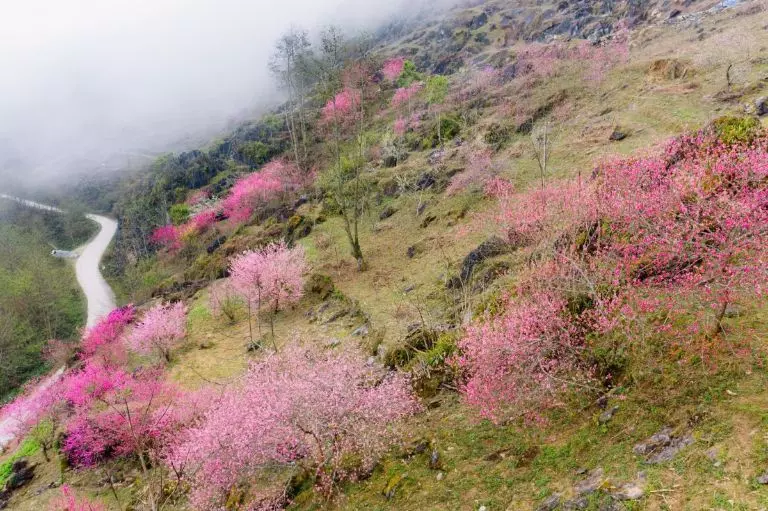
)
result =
(101, 299)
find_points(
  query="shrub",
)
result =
(732, 130)
(682, 231)
(179, 213)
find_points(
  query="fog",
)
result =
(89, 84)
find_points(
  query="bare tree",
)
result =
(541, 142)
(291, 65)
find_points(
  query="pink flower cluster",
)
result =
(539, 60)
(404, 95)
(393, 68)
(127, 414)
(512, 358)
(160, 329)
(274, 179)
(68, 501)
(272, 276)
(107, 331)
(342, 108)
(167, 236)
(322, 409)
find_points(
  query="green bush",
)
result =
(179, 213)
(732, 130)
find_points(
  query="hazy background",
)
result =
(105, 83)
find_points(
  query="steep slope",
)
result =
(651, 427)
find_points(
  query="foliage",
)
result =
(327, 411)
(732, 130)
(408, 75)
(27, 448)
(179, 214)
(39, 297)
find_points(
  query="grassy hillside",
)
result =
(39, 297)
(589, 444)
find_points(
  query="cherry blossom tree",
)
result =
(160, 329)
(166, 236)
(272, 277)
(307, 408)
(276, 179)
(478, 172)
(683, 231)
(100, 339)
(69, 501)
(393, 68)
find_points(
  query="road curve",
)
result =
(101, 298)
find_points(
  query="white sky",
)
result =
(88, 78)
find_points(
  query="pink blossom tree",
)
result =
(271, 277)
(160, 329)
(100, 339)
(683, 231)
(393, 68)
(478, 172)
(136, 416)
(69, 501)
(276, 179)
(305, 407)
(166, 236)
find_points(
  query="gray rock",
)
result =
(761, 106)
(617, 135)
(763, 479)
(434, 460)
(634, 490)
(591, 484)
(662, 446)
(577, 504)
(607, 415)
(550, 503)
(387, 212)
(670, 451)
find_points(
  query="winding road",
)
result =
(100, 297)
